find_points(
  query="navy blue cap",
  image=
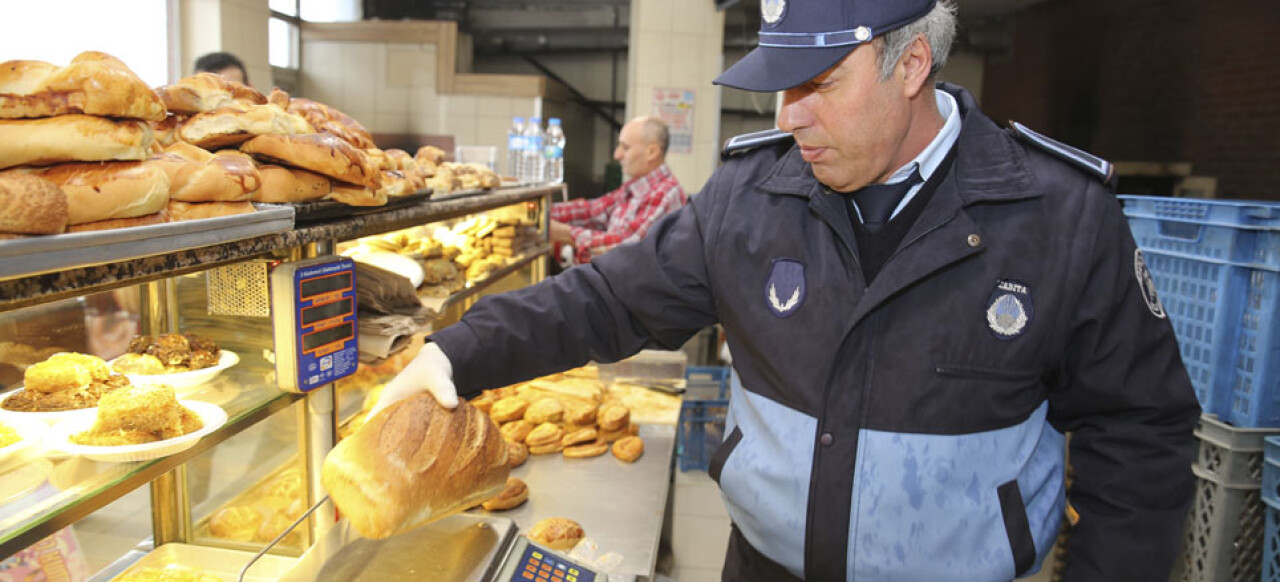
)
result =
(799, 39)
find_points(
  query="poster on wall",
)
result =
(675, 108)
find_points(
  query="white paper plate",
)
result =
(49, 418)
(181, 380)
(210, 414)
(33, 433)
(17, 483)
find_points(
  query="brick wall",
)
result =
(1152, 80)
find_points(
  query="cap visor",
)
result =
(766, 69)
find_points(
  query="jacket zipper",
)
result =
(975, 373)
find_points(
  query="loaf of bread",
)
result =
(93, 83)
(415, 462)
(101, 191)
(319, 152)
(179, 211)
(205, 92)
(282, 184)
(235, 123)
(31, 205)
(195, 175)
(72, 138)
(328, 119)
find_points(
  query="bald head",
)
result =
(642, 146)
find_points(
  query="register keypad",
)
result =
(538, 565)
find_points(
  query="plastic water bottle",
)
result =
(553, 151)
(515, 146)
(531, 170)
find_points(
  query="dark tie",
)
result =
(877, 201)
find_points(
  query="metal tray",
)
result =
(220, 562)
(42, 254)
(324, 210)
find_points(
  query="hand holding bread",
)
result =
(429, 371)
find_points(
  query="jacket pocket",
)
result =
(722, 454)
(982, 373)
(1017, 527)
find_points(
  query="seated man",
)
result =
(225, 64)
(593, 226)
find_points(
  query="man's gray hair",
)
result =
(938, 28)
(655, 130)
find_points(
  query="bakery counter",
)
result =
(34, 285)
(47, 489)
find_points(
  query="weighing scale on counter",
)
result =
(313, 303)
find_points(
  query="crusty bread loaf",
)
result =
(281, 184)
(72, 138)
(31, 205)
(179, 211)
(353, 195)
(203, 92)
(195, 175)
(319, 152)
(415, 462)
(94, 83)
(100, 191)
(328, 119)
(114, 223)
(235, 123)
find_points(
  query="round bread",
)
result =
(545, 434)
(557, 533)
(238, 522)
(508, 409)
(592, 449)
(72, 138)
(206, 91)
(517, 453)
(179, 211)
(580, 436)
(513, 494)
(31, 205)
(319, 152)
(281, 184)
(544, 410)
(236, 123)
(613, 416)
(93, 83)
(101, 191)
(628, 448)
(516, 430)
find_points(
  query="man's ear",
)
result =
(914, 66)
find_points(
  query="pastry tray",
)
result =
(220, 562)
(246, 497)
(325, 210)
(42, 254)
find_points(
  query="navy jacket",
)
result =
(912, 429)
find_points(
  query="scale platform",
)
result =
(459, 547)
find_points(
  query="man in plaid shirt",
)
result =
(593, 226)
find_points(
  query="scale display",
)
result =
(313, 303)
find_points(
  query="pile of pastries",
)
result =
(64, 381)
(167, 354)
(264, 511)
(139, 414)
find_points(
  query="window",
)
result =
(284, 34)
(42, 31)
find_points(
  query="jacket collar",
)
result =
(989, 165)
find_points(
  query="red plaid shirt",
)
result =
(621, 216)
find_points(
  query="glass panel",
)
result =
(286, 7)
(281, 38)
(96, 25)
(331, 10)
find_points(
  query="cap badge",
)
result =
(771, 10)
(784, 292)
(862, 33)
(1009, 309)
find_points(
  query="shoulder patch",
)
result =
(1076, 157)
(748, 141)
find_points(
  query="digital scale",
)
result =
(313, 305)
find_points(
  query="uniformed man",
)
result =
(920, 305)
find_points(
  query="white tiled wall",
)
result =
(699, 528)
(235, 26)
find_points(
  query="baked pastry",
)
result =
(378, 159)
(580, 413)
(319, 152)
(138, 414)
(613, 417)
(284, 184)
(545, 434)
(65, 381)
(544, 410)
(72, 138)
(145, 364)
(328, 119)
(233, 124)
(356, 195)
(100, 191)
(203, 92)
(553, 447)
(93, 83)
(114, 223)
(237, 522)
(179, 211)
(513, 494)
(628, 448)
(401, 160)
(166, 130)
(414, 462)
(557, 533)
(508, 409)
(580, 436)
(195, 175)
(591, 449)
(431, 155)
(517, 453)
(516, 431)
(394, 184)
(31, 205)
(178, 352)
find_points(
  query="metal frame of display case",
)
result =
(171, 519)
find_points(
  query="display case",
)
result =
(224, 496)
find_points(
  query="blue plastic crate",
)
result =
(1271, 469)
(700, 432)
(706, 382)
(1271, 541)
(1217, 270)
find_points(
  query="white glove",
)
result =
(429, 371)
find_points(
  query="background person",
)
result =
(225, 64)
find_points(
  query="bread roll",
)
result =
(93, 83)
(517, 453)
(580, 436)
(72, 138)
(31, 205)
(628, 448)
(195, 175)
(544, 410)
(236, 123)
(547, 449)
(205, 92)
(583, 413)
(355, 195)
(321, 153)
(415, 462)
(517, 430)
(281, 184)
(179, 211)
(430, 154)
(557, 533)
(514, 493)
(101, 191)
(508, 409)
(613, 416)
(114, 223)
(544, 434)
(166, 130)
(401, 160)
(582, 451)
(395, 184)
(330, 120)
